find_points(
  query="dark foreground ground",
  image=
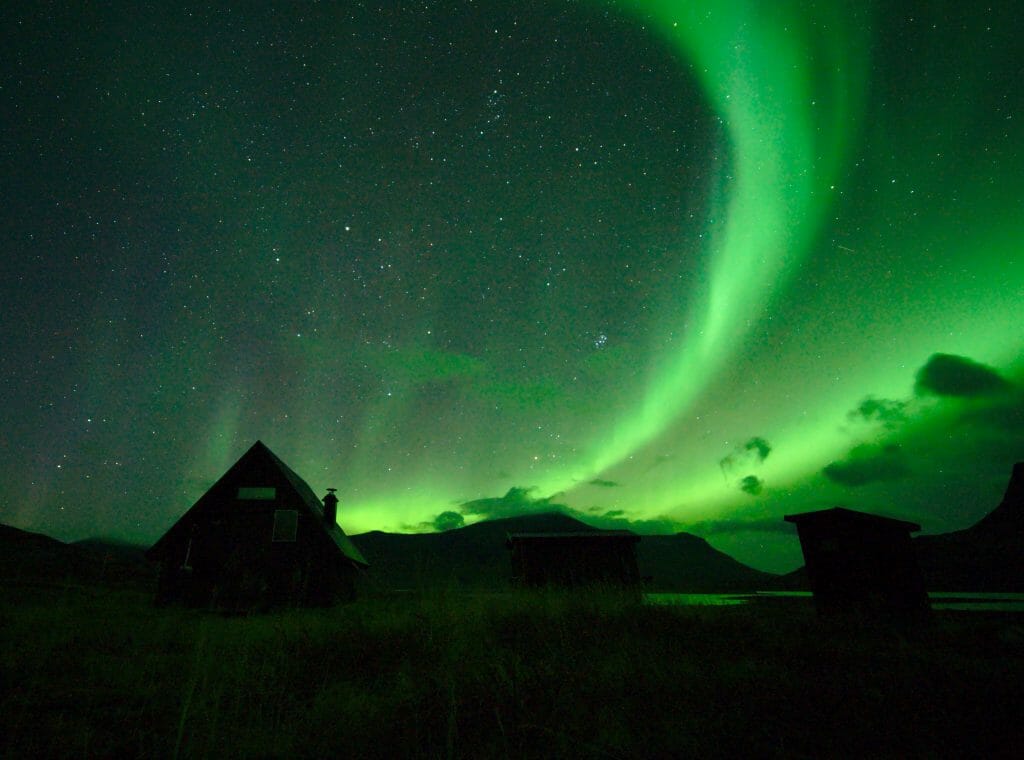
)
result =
(101, 673)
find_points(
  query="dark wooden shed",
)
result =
(575, 558)
(258, 538)
(860, 562)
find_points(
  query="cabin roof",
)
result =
(337, 535)
(259, 451)
(841, 516)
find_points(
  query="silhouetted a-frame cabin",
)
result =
(258, 538)
(860, 562)
(574, 558)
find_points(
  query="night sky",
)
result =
(664, 265)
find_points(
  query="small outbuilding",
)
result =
(860, 562)
(258, 538)
(574, 558)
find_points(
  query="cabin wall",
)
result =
(862, 566)
(226, 556)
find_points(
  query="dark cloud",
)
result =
(604, 483)
(1004, 416)
(868, 464)
(958, 376)
(612, 520)
(752, 485)
(448, 521)
(518, 501)
(753, 452)
(888, 412)
(759, 447)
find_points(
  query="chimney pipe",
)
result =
(331, 507)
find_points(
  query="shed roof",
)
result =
(841, 516)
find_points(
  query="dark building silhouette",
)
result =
(859, 562)
(258, 538)
(574, 558)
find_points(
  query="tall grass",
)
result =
(99, 674)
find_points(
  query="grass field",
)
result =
(101, 673)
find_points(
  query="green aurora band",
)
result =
(790, 87)
(861, 209)
(789, 128)
(794, 102)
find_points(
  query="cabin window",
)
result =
(286, 524)
(258, 493)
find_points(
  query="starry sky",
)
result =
(660, 265)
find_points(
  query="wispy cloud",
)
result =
(752, 452)
(889, 412)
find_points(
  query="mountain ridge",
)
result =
(30, 557)
(987, 556)
(474, 556)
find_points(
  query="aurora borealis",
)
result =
(674, 266)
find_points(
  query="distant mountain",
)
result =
(795, 580)
(687, 563)
(988, 556)
(112, 549)
(24, 554)
(475, 557)
(27, 557)
(1007, 519)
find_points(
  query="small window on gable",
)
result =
(259, 493)
(286, 524)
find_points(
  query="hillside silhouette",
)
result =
(475, 557)
(987, 556)
(27, 557)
